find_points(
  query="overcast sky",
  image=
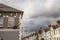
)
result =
(37, 13)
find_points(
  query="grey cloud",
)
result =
(54, 11)
(42, 16)
(35, 24)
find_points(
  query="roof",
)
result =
(30, 35)
(7, 8)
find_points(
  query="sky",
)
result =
(37, 13)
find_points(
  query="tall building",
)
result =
(10, 21)
(50, 33)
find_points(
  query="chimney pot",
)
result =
(58, 21)
(49, 26)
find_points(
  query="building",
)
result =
(50, 33)
(10, 21)
(31, 37)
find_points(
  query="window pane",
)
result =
(1, 21)
(11, 21)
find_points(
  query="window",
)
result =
(48, 33)
(52, 38)
(1, 21)
(59, 31)
(58, 38)
(46, 37)
(56, 32)
(55, 38)
(39, 35)
(52, 32)
(11, 21)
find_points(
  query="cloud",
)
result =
(41, 14)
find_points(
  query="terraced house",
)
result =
(50, 33)
(10, 21)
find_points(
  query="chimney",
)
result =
(58, 23)
(49, 26)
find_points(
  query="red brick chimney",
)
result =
(58, 23)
